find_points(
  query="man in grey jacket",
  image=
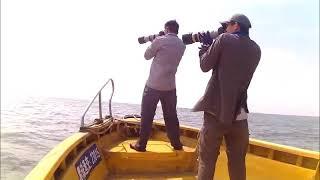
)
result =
(166, 51)
(233, 58)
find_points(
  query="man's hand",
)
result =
(221, 30)
(205, 38)
(203, 49)
(161, 33)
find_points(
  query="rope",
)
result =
(101, 129)
(97, 130)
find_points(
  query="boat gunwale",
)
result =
(53, 159)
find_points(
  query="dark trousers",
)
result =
(237, 140)
(168, 101)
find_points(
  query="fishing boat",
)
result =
(101, 150)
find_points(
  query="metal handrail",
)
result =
(100, 108)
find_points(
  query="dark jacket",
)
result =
(233, 59)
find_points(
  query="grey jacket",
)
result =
(166, 52)
(233, 60)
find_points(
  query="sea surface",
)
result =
(32, 127)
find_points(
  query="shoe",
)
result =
(178, 148)
(134, 146)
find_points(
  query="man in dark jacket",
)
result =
(233, 58)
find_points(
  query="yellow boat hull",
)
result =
(105, 154)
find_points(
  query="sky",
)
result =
(69, 48)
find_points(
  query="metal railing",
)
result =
(100, 107)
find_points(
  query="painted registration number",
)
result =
(87, 162)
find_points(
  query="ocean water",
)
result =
(32, 127)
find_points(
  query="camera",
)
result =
(145, 39)
(191, 38)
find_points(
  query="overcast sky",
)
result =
(69, 48)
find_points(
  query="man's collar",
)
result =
(173, 34)
(240, 33)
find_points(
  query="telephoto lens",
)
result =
(191, 38)
(145, 39)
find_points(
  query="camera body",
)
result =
(144, 39)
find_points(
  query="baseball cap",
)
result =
(239, 18)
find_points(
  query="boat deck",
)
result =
(160, 157)
(161, 161)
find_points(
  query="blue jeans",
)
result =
(168, 101)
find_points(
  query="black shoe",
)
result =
(134, 146)
(178, 148)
